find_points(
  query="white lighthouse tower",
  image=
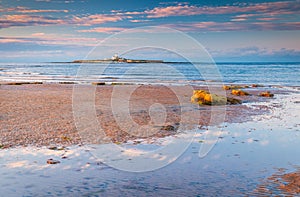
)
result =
(115, 57)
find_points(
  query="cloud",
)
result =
(11, 40)
(138, 21)
(38, 34)
(235, 26)
(23, 16)
(103, 29)
(254, 52)
(95, 19)
(23, 10)
(32, 20)
(246, 16)
(267, 19)
(271, 8)
(28, 20)
(51, 39)
(249, 16)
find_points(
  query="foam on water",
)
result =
(243, 73)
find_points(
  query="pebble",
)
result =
(51, 161)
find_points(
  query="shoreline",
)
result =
(41, 114)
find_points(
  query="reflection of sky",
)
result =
(245, 154)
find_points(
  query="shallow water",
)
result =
(243, 73)
(245, 154)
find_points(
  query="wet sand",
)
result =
(240, 164)
(41, 114)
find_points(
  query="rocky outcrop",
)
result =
(231, 87)
(202, 97)
(98, 83)
(266, 94)
(239, 93)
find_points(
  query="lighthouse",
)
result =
(115, 57)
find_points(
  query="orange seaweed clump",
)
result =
(239, 92)
(203, 97)
(266, 94)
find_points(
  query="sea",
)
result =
(245, 155)
(273, 73)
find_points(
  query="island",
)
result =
(117, 59)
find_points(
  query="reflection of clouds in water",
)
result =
(264, 142)
(132, 152)
(17, 164)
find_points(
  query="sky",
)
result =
(230, 30)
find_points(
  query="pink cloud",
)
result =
(234, 26)
(31, 20)
(96, 19)
(272, 8)
(26, 20)
(103, 29)
(238, 19)
(268, 19)
(11, 40)
(20, 9)
(38, 34)
(51, 39)
(138, 21)
(132, 13)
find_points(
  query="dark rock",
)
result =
(52, 161)
(168, 128)
(98, 83)
(256, 85)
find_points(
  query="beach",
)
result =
(37, 125)
(149, 98)
(41, 114)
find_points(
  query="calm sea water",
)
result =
(245, 73)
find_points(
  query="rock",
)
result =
(266, 94)
(52, 161)
(257, 85)
(65, 138)
(239, 92)
(61, 148)
(226, 87)
(98, 83)
(4, 146)
(17, 83)
(37, 82)
(52, 148)
(230, 87)
(233, 101)
(66, 82)
(56, 148)
(168, 128)
(202, 97)
(121, 83)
